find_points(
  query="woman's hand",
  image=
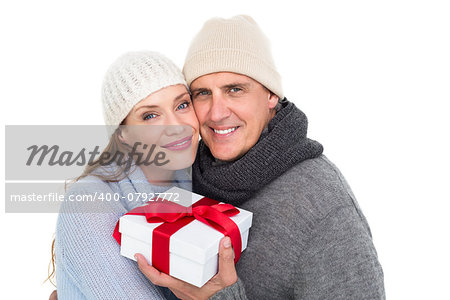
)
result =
(225, 277)
(53, 296)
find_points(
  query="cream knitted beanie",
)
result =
(131, 78)
(233, 45)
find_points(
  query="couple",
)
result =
(309, 238)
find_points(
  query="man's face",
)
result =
(232, 110)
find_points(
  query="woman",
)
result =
(140, 88)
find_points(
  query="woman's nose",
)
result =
(172, 125)
(174, 129)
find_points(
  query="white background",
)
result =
(373, 78)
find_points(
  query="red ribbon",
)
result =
(176, 216)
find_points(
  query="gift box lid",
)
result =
(196, 241)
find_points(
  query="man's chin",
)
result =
(224, 151)
(225, 155)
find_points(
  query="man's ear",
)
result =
(273, 100)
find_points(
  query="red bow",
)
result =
(176, 216)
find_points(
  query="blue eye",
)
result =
(235, 90)
(149, 116)
(202, 93)
(183, 105)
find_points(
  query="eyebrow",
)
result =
(155, 106)
(224, 87)
(235, 84)
(180, 96)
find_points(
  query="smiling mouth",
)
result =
(225, 131)
(179, 144)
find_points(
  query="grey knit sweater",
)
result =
(309, 238)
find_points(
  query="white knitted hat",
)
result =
(131, 78)
(233, 45)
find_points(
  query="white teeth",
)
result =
(180, 143)
(225, 131)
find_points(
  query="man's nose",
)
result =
(219, 108)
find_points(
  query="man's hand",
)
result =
(183, 290)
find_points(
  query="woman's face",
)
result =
(165, 119)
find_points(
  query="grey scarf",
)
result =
(283, 145)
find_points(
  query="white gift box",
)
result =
(193, 249)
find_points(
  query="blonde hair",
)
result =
(115, 145)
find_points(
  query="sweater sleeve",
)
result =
(235, 291)
(340, 261)
(90, 258)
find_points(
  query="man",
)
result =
(309, 238)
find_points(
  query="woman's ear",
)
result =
(121, 131)
(121, 135)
